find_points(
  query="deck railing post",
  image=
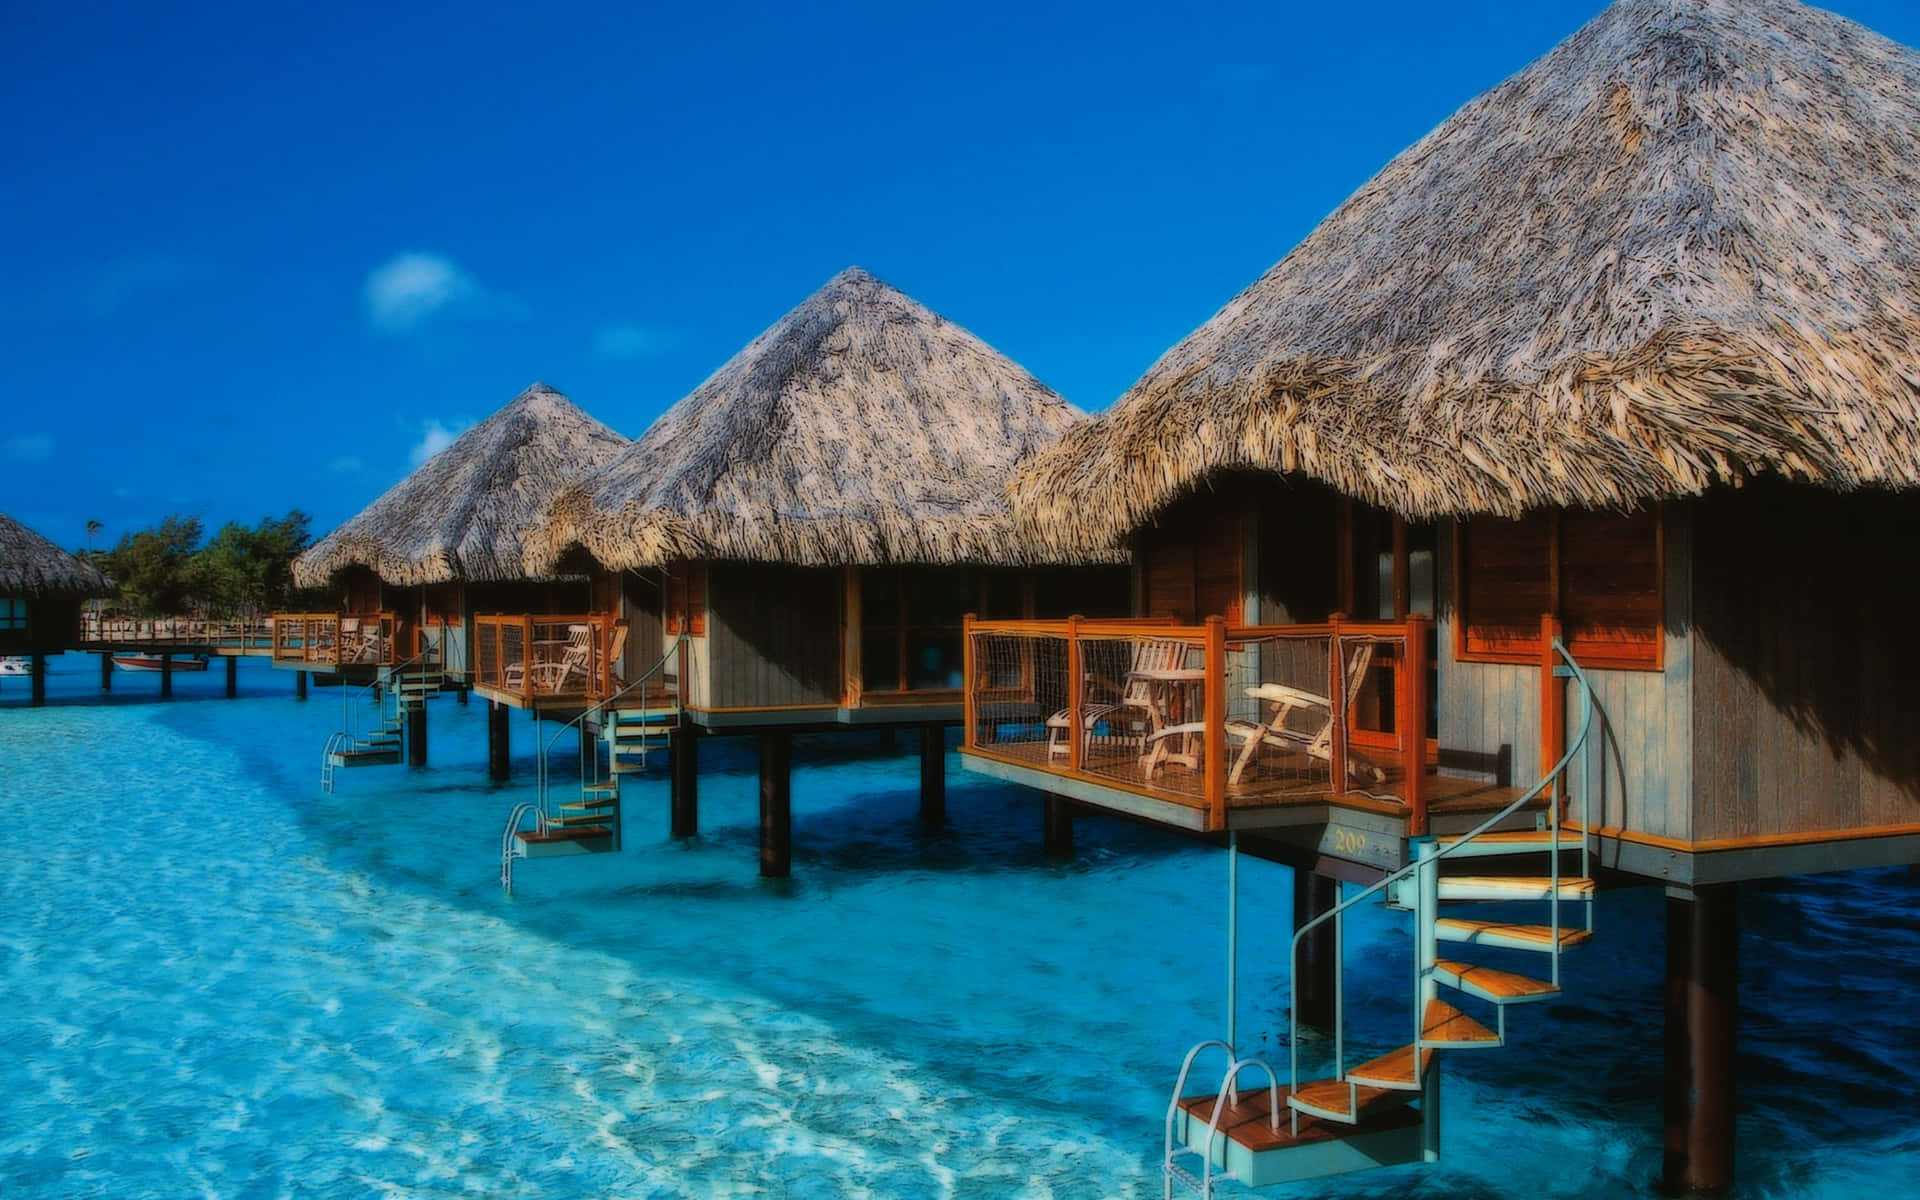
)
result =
(1411, 720)
(1553, 707)
(1215, 686)
(526, 656)
(1076, 697)
(970, 705)
(1336, 706)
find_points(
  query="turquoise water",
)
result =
(218, 981)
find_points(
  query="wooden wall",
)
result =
(1641, 752)
(53, 624)
(1806, 663)
(773, 636)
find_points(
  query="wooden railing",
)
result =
(241, 634)
(545, 657)
(1210, 716)
(335, 639)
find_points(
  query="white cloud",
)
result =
(624, 339)
(408, 290)
(435, 437)
(30, 447)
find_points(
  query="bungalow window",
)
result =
(13, 613)
(1598, 572)
(686, 600)
(1191, 562)
(910, 625)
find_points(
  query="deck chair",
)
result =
(574, 664)
(1302, 722)
(1125, 706)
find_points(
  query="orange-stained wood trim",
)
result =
(970, 715)
(1076, 696)
(740, 708)
(1411, 720)
(1216, 723)
(1752, 842)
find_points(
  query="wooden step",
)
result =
(1393, 1070)
(1510, 841)
(600, 807)
(1334, 1100)
(621, 767)
(578, 839)
(365, 758)
(1448, 1028)
(1517, 887)
(1506, 935)
(609, 788)
(1261, 1151)
(1500, 987)
(577, 820)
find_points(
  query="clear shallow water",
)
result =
(218, 981)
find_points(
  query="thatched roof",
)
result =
(860, 428)
(465, 512)
(30, 565)
(1682, 248)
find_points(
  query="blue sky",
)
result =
(260, 261)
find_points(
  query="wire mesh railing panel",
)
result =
(1376, 755)
(1280, 719)
(1019, 695)
(1143, 711)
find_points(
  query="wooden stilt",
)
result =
(1314, 895)
(106, 672)
(460, 695)
(166, 675)
(1056, 826)
(933, 774)
(589, 752)
(776, 804)
(233, 676)
(299, 685)
(1703, 941)
(417, 735)
(37, 669)
(497, 741)
(683, 751)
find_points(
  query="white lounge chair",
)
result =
(1302, 722)
(1113, 702)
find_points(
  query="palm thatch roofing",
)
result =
(464, 513)
(1681, 249)
(860, 428)
(30, 565)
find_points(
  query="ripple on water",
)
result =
(237, 986)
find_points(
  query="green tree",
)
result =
(246, 570)
(154, 567)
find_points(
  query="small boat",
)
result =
(151, 662)
(14, 665)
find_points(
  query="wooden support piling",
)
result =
(37, 669)
(497, 769)
(1703, 940)
(1313, 896)
(460, 695)
(417, 733)
(1411, 721)
(106, 672)
(589, 752)
(166, 675)
(299, 685)
(683, 752)
(776, 804)
(233, 675)
(933, 774)
(1056, 826)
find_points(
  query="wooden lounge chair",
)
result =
(1302, 722)
(1127, 707)
(574, 664)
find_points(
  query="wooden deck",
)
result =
(1280, 784)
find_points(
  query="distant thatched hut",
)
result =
(825, 509)
(41, 589)
(1631, 343)
(447, 542)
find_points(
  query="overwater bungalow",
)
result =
(41, 590)
(808, 528)
(1550, 505)
(425, 570)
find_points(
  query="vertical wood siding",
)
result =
(773, 636)
(1807, 670)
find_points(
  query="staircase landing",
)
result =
(1259, 1155)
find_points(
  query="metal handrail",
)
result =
(542, 768)
(514, 818)
(1431, 859)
